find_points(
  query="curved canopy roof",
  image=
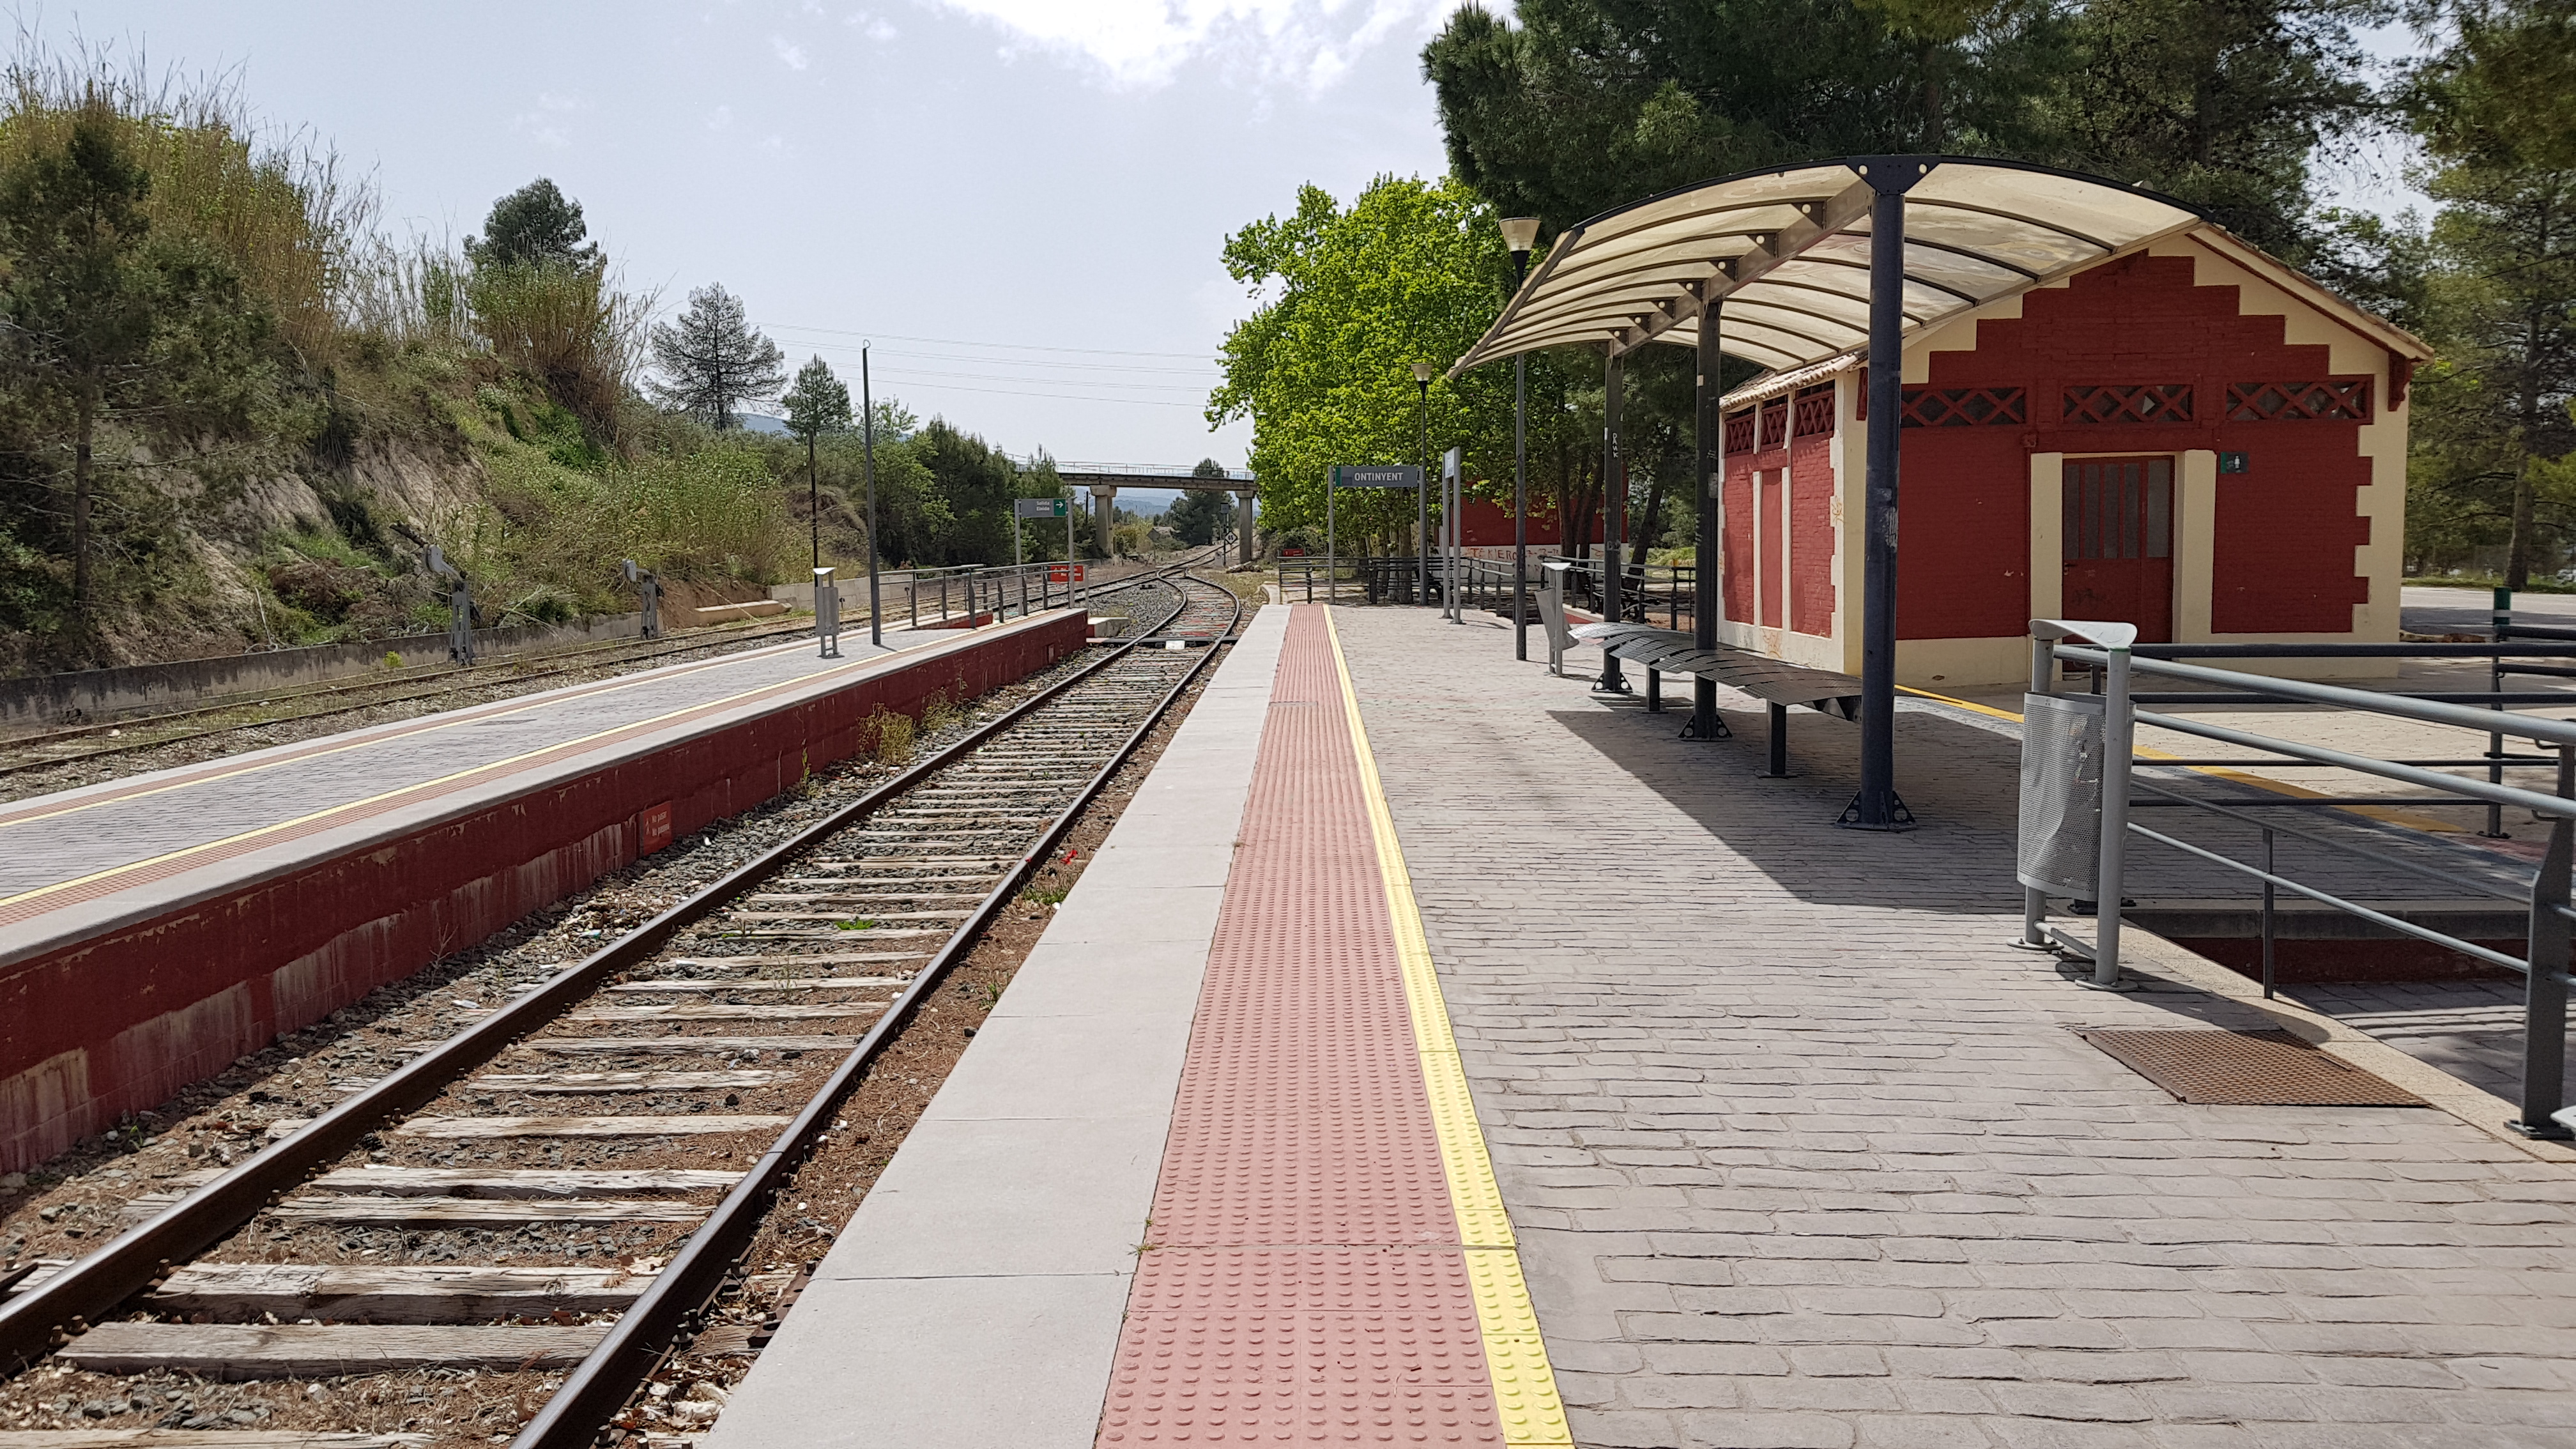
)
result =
(1788, 252)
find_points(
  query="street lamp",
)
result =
(1520, 233)
(1422, 496)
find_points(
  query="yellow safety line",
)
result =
(2406, 818)
(1515, 1358)
(345, 805)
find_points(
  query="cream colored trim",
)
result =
(2047, 535)
(2195, 527)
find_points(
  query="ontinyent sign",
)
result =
(1038, 507)
(1384, 475)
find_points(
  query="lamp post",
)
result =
(868, 453)
(1422, 495)
(1520, 233)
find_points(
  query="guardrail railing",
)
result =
(2079, 789)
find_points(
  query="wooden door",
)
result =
(2118, 550)
(1771, 520)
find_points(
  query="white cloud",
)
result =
(720, 119)
(792, 55)
(1143, 43)
(874, 27)
(545, 125)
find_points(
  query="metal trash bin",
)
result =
(2061, 794)
(1551, 612)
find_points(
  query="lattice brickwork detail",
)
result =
(2332, 400)
(1812, 413)
(2155, 402)
(1965, 407)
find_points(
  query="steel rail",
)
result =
(599, 1387)
(34, 1323)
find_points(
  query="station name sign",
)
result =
(1390, 475)
(1038, 507)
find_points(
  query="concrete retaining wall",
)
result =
(122, 1021)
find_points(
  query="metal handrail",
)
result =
(2111, 649)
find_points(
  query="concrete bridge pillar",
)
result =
(1243, 526)
(1104, 514)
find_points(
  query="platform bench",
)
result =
(1777, 683)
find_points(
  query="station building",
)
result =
(2191, 437)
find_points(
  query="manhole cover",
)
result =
(2248, 1069)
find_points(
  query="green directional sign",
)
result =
(1039, 507)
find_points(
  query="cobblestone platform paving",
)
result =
(1799, 1153)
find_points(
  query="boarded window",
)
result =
(2155, 402)
(2347, 400)
(2118, 508)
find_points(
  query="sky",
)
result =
(1020, 203)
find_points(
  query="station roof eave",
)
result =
(1787, 251)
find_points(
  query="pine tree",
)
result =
(533, 226)
(819, 403)
(713, 359)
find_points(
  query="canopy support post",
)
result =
(1877, 806)
(1614, 500)
(1709, 467)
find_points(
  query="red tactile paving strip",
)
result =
(1305, 1282)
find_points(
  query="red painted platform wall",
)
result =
(2285, 530)
(1489, 525)
(121, 1022)
(1811, 534)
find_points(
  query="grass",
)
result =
(2488, 581)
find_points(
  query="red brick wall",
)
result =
(1811, 535)
(2286, 529)
(123, 1021)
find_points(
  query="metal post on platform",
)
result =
(1332, 481)
(1877, 806)
(868, 456)
(2111, 871)
(1422, 496)
(2503, 624)
(1614, 501)
(1520, 233)
(827, 614)
(2270, 897)
(2544, 982)
(1708, 465)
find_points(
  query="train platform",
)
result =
(154, 927)
(1686, 1119)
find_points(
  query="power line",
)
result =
(1059, 396)
(1044, 381)
(972, 342)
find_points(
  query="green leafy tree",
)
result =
(536, 225)
(2220, 103)
(1197, 518)
(103, 322)
(1588, 104)
(713, 360)
(819, 403)
(2494, 430)
(1412, 271)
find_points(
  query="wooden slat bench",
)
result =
(1777, 683)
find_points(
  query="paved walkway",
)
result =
(1798, 1152)
(72, 858)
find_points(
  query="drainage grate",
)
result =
(2268, 1068)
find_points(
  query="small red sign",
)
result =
(656, 823)
(1055, 573)
(1292, 553)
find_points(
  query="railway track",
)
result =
(564, 1191)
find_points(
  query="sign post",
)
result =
(1038, 508)
(1347, 475)
(1452, 500)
